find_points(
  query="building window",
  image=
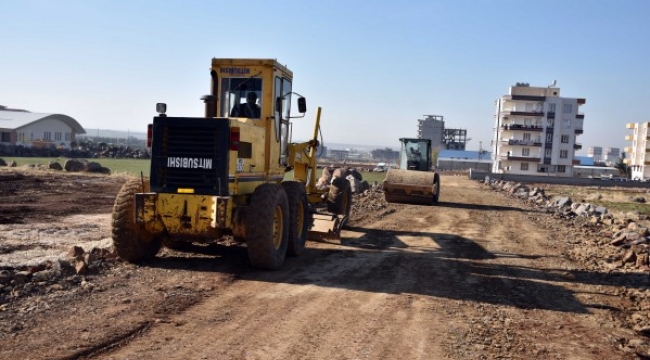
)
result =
(6, 137)
(524, 166)
(528, 121)
(549, 138)
(526, 136)
(525, 152)
(564, 154)
(67, 136)
(551, 108)
(529, 107)
(567, 109)
(549, 123)
(561, 168)
(47, 135)
(566, 124)
(547, 153)
(57, 136)
(565, 139)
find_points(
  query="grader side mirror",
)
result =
(302, 105)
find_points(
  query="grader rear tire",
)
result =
(131, 241)
(298, 226)
(339, 200)
(267, 227)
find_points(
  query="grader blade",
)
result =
(324, 226)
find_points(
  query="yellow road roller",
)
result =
(414, 182)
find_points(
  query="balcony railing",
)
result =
(579, 131)
(528, 113)
(521, 127)
(523, 142)
(533, 158)
(577, 146)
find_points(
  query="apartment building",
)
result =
(536, 131)
(638, 155)
(609, 155)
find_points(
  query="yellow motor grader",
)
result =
(413, 182)
(223, 175)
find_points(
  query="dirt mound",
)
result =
(30, 195)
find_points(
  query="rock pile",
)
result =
(605, 243)
(71, 165)
(357, 184)
(51, 276)
(626, 234)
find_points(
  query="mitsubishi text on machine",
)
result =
(189, 163)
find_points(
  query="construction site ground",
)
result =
(481, 275)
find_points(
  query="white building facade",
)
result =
(536, 132)
(638, 155)
(37, 130)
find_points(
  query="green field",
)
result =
(137, 166)
(117, 166)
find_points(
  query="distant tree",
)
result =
(623, 169)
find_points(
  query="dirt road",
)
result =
(480, 276)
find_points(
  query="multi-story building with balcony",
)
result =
(638, 155)
(536, 132)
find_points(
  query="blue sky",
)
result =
(375, 68)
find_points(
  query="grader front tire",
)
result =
(298, 226)
(267, 227)
(130, 240)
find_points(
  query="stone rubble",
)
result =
(606, 243)
(52, 275)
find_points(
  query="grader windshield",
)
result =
(241, 97)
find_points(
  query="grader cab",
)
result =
(224, 175)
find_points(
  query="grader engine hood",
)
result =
(190, 155)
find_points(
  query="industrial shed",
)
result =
(21, 127)
(456, 160)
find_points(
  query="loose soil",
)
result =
(479, 276)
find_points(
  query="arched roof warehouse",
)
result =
(14, 120)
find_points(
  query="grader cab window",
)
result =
(282, 109)
(241, 97)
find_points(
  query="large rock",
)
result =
(55, 165)
(75, 165)
(97, 168)
(563, 201)
(2, 162)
